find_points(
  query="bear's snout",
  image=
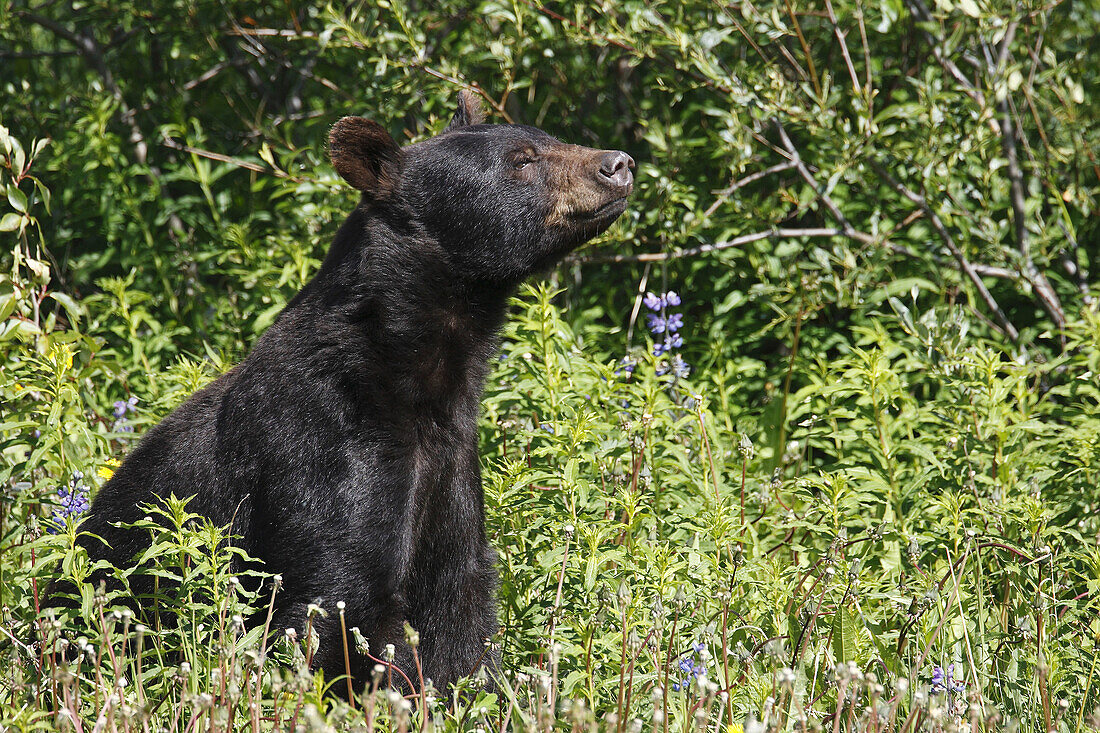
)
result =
(615, 169)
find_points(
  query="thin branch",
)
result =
(6, 54)
(921, 12)
(1069, 258)
(1007, 132)
(868, 68)
(1043, 289)
(775, 234)
(949, 242)
(706, 248)
(170, 143)
(844, 49)
(1069, 263)
(752, 178)
(305, 71)
(796, 159)
(279, 32)
(497, 106)
(805, 49)
(206, 75)
(87, 46)
(642, 54)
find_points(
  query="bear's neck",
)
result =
(395, 302)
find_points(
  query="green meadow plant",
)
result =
(926, 564)
(810, 440)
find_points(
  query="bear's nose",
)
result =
(615, 167)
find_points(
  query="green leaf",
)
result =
(591, 568)
(69, 304)
(8, 301)
(970, 8)
(10, 222)
(18, 158)
(845, 635)
(17, 198)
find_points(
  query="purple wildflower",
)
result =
(627, 365)
(121, 408)
(675, 366)
(943, 680)
(672, 341)
(72, 502)
(661, 323)
(690, 668)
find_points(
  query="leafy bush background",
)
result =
(882, 220)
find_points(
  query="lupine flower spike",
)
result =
(121, 408)
(690, 668)
(667, 325)
(72, 501)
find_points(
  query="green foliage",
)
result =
(882, 221)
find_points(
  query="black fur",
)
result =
(343, 450)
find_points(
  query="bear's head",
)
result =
(504, 201)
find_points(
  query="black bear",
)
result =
(343, 450)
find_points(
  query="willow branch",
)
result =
(707, 248)
(949, 242)
(796, 160)
(921, 13)
(726, 192)
(1043, 289)
(774, 235)
(87, 47)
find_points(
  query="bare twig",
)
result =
(497, 106)
(170, 143)
(752, 178)
(1006, 129)
(867, 66)
(706, 248)
(280, 32)
(921, 13)
(6, 54)
(206, 75)
(805, 49)
(781, 233)
(822, 194)
(844, 49)
(1069, 263)
(1038, 280)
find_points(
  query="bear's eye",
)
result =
(522, 160)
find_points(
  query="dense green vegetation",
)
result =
(862, 494)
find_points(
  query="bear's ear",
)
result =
(469, 111)
(364, 155)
